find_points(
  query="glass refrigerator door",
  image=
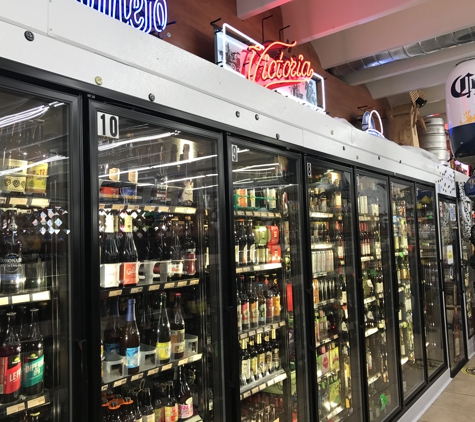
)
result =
(157, 225)
(35, 134)
(452, 284)
(378, 305)
(429, 276)
(269, 287)
(409, 318)
(330, 199)
(468, 274)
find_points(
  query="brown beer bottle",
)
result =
(185, 399)
(32, 371)
(130, 340)
(177, 326)
(10, 363)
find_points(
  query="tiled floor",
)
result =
(457, 401)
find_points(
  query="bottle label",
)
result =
(369, 361)
(262, 363)
(262, 313)
(10, 374)
(171, 414)
(236, 254)
(253, 313)
(245, 369)
(178, 341)
(269, 308)
(148, 418)
(253, 367)
(276, 358)
(132, 357)
(343, 297)
(163, 351)
(185, 410)
(160, 414)
(269, 361)
(32, 371)
(112, 347)
(129, 273)
(245, 313)
(109, 275)
(252, 253)
(276, 306)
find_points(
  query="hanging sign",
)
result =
(149, 16)
(270, 65)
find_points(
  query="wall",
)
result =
(193, 33)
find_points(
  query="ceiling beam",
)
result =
(404, 27)
(417, 79)
(409, 65)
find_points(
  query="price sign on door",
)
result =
(107, 125)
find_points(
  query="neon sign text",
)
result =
(279, 71)
(145, 15)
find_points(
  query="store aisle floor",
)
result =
(457, 401)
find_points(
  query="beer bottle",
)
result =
(171, 411)
(178, 329)
(128, 255)
(109, 252)
(10, 260)
(10, 363)
(185, 399)
(137, 411)
(130, 340)
(127, 410)
(113, 328)
(32, 370)
(163, 332)
(148, 414)
(34, 417)
(114, 412)
(158, 405)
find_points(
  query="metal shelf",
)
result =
(261, 329)
(367, 258)
(25, 403)
(262, 214)
(260, 267)
(326, 340)
(25, 297)
(139, 288)
(371, 331)
(151, 370)
(320, 215)
(147, 207)
(320, 246)
(262, 384)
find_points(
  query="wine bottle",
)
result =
(261, 305)
(189, 247)
(178, 329)
(171, 406)
(251, 245)
(176, 251)
(11, 270)
(275, 350)
(242, 244)
(245, 375)
(113, 328)
(184, 397)
(32, 350)
(128, 255)
(238, 307)
(245, 314)
(158, 407)
(276, 297)
(130, 340)
(253, 303)
(269, 295)
(10, 363)
(148, 415)
(163, 347)
(268, 350)
(253, 362)
(261, 356)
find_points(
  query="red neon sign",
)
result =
(276, 71)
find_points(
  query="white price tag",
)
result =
(167, 366)
(107, 125)
(152, 372)
(120, 382)
(137, 377)
(20, 299)
(36, 297)
(36, 402)
(115, 293)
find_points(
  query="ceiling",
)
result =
(391, 46)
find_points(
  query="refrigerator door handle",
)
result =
(82, 344)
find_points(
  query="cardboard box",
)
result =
(13, 183)
(10, 163)
(36, 184)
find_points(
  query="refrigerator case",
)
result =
(330, 220)
(453, 288)
(409, 318)
(157, 211)
(268, 295)
(36, 132)
(378, 297)
(468, 274)
(429, 279)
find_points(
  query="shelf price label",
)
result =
(14, 409)
(118, 383)
(152, 372)
(167, 367)
(136, 377)
(36, 402)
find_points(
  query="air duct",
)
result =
(428, 46)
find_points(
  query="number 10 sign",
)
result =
(107, 125)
